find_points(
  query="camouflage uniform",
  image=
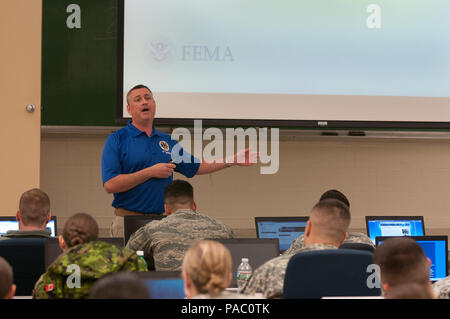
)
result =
(441, 288)
(95, 260)
(297, 244)
(27, 234)
(165, 241)
(268, 278)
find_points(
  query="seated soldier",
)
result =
(353, 237)
(85, 259)
(7, 287)
(402, 261)
(33, 215)
(326, 229)
(165, 241)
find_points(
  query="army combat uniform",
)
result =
(95, 260)
(166, 241)
(441, 288)
(268, 278)
(353, 237)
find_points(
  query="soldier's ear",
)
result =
(62, 243)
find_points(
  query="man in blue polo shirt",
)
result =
(137, 162)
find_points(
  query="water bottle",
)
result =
(140, 253)
(244, 271)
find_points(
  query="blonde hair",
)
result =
(208, 265)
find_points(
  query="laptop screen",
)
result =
(286, 229)
(394, 226)
(10, 223)
(258, 251)
(435, 248)
(163, 284)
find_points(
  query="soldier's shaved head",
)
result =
(6, 279)
(34, 208)
(330, 219)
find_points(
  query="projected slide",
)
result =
(289, 55)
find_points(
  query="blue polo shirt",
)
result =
(129, 150)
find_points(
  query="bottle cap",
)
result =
(245, 260)
(140, 253)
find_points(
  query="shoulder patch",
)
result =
(50, 287)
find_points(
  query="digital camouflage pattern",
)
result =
(95, 259)
(353, 237)
(268, 278)
(441, 288)
(165, 241)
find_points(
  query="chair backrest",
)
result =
(358, 246)
(27, 258)
(328, 273)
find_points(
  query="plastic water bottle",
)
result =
(140, 253)
(244, 271)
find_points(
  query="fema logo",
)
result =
(161, 50)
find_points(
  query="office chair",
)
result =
(358, 246)
(27, 258)
(329, 273)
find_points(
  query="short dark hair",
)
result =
(120, 285)
(334, 193)
(402, 260)
(6, 277)
(79, 229)
(34, 207)
(136, 87)
(178, 192)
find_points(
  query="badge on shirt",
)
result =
(164, 145)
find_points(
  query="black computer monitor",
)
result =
(435, 248)
(286, 229)
(10, 223)
(257, 250)
(133, 223)
(393, 226)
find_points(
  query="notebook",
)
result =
(163, 284)
(133, 223)
(286, 229)
(10, 223)
(258, 251)
(435, 248)
(394, 226)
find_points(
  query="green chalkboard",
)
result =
(79, 62)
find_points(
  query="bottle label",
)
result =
(244, 275)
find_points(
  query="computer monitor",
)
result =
(286, 229)
(435, 248)
(163, 284)
(133, 223)
(394, 226)
(10, 223)
(258, 251)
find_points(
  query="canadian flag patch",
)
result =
(49, 287)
